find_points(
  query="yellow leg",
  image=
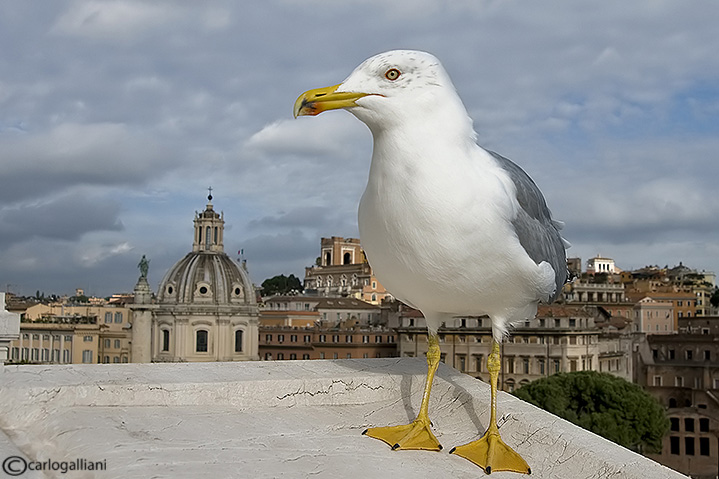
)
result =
(417, 434)
(490, 452)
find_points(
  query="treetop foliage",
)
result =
(604, 404)
(281, 284)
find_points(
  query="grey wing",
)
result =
(537, 232)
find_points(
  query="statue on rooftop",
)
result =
(144, 266)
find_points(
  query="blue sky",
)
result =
(116, 116)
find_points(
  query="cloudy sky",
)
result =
(115, 117)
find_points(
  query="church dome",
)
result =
(207, 275)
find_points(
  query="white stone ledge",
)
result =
(281, 419)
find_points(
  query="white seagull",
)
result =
(448, 227)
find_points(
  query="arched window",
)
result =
(201, 341)
(207, 238)
(347, 258)
(238, 341)
(328, 258)
(216, 235)
(165, 339)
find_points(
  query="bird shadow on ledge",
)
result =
(447, 394)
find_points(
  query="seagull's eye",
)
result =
(392, 74)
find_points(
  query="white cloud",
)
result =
(93, 254)
(142, 105)
(114, 19)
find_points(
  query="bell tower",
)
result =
(209, 229)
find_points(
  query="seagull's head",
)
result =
(392, 87)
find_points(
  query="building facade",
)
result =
(342, 270)
(682, 372)
(61, 333)
(206, 307)
(561, 338)
(322, 342)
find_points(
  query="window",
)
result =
(378, 339)
(541, 366)
(679, 381)
(478, 359)
(107, 343)
(671, 354)
(510, 385)
(689, 446)
(281, 338)
(674, 445)
(280, 356)
(201, 341)
(688, 354)
(335, 356)
(106, 359)
(349, 355)
(572, 322)
(704, 446)
(87, 356)
(657, 381)
(108, 317)
(557, 365)
(65, 355)
(165, 340)
(348, 338)
(510, 365)
(335, 338)
(87, 339)
(293, 338)
(707, 355)
(117, 344)
(116, 359)
(674, 422)
(308, 339)
(238, 340)
(118, 317)
(365, 339)
(525, 365)
(293, 356)
(268, 338)
(688, 424)
(704, 424)
(323, 338)
(305, 356)
(462, 363)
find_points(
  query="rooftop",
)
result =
(280, 419)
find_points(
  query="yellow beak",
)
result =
(314, 102)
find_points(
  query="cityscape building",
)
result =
(206, 306)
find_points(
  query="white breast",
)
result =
(435, 223)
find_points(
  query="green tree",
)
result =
(714, 300)
(281, 284)
(604, 404)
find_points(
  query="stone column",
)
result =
(9, 330)
(141, 350)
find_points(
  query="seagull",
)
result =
(449, 227)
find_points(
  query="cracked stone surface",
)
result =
(281, 419)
